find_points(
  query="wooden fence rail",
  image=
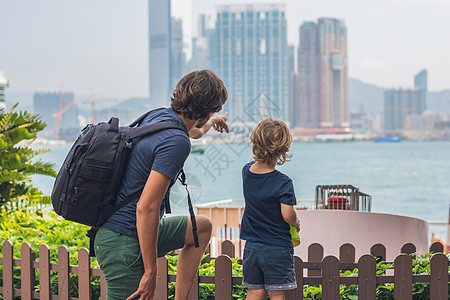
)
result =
(327, 273)
(28, 265)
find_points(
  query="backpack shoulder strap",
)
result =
(182, 179)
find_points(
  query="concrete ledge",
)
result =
(333, 228)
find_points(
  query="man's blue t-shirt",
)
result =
(164, 151)
(262, 221)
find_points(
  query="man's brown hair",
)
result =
(271, 141)
(198, 94)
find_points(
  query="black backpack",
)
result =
(85, 190)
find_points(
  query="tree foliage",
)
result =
(17, 160)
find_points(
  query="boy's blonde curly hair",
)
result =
(271, 141)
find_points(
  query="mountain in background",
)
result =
(371, 97)
(361, 96)
(438, 101)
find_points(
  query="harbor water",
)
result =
(407, 178)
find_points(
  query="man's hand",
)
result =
(220, 122)
(146, 289)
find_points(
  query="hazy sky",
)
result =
(100, 47)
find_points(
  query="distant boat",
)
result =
(197, 149)
(388, 139)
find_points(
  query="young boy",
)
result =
(268, 262)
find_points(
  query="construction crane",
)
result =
(92, 102)
(61, 110)
(58, 115)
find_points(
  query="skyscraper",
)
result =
(332, 50)
(203, 24)
(399, 103)
(308, 70)
(250, 55)
(178, 60)
(160, 52)
(199, 59)
(323, 78)
(292, 86)
(167, 59)
(3, 83)
(199, 54)
(421, 82)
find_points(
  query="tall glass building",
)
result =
(421, 82)
(159, 52)
(249, 52)
(178, 60)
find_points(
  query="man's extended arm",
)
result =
(147, 222)
(218, 122)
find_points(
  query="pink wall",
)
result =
(333, 228)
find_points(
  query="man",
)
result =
(130, 241)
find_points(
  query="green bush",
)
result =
(18, 161)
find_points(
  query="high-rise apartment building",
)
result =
(160, 52)
(399, 103)
(308, 82)
(199, 59)
(4, 82)
(203, 25)
(48, 106)
(421, 82)
(167, 62)
(178, 59)
(249, 52)
(333, 84)
(293, 81)
(322, 67)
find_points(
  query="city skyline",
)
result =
(108, 56)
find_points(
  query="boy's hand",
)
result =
(297, 225)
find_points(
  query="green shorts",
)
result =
(119, 256)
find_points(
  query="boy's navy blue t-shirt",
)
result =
(164, 151)
(262, 221)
